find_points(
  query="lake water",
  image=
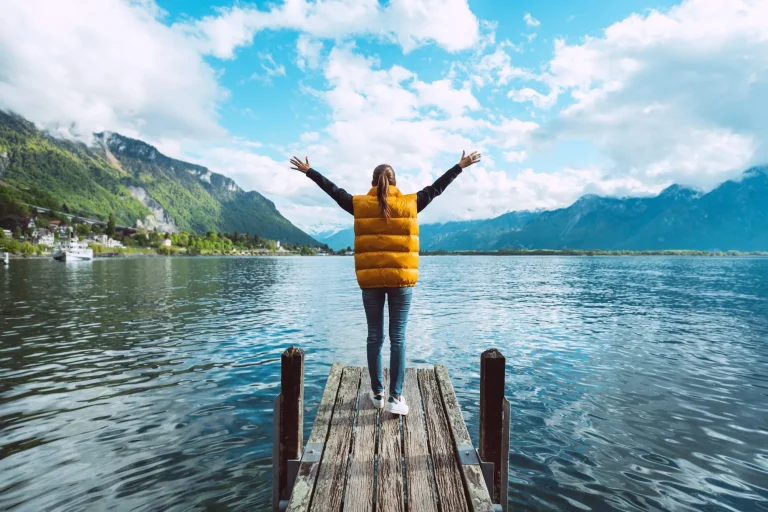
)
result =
(147, 384)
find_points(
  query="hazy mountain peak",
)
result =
(676, 191)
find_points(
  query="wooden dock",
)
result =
(358, 458)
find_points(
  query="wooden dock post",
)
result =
(493, 423)
(289, 423)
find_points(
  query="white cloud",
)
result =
(104, 65)
(515, 156)
(389, 115)
(530, 20)
(509, 133)
(538, 99)
(481, 192)
(675, 96)
(443, 95)
(270, 66)
(665, 96)
(270, 69)
(308, 52)
(310, 137)
(497, 68)
(410, 23)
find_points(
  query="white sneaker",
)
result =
(396, 406)
(378, 400)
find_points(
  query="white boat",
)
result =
(73, 250)
(4, 258)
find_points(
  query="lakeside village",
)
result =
(44, 233)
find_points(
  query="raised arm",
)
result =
(341, 196)
(425, 196)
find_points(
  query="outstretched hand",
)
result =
(300, 166)
(467, 160)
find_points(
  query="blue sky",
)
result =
(562, 98)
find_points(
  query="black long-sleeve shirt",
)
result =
(423, 197)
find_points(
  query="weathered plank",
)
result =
(389, 490)
(419, 477)
(477, 492)
(329, 488)
(307, 475)
(492, 372)
(359, 493)
(450, 487)
(291, 412)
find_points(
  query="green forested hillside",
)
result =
(135, 182)
(68, 172)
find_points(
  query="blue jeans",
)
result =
(399, 304)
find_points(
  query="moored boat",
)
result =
(4, 258)
(73, 250)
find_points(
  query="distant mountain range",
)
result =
(734, 216)
(449, 236)
(135, 182)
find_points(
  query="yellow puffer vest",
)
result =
(386, 250)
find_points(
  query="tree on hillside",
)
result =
(307, 251)
(111, 225)
(83, 229)
(27, 249)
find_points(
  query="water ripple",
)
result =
(147, 384)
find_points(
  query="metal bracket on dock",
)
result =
(467, 454)
(312, 452)
(487, 469)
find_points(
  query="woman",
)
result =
(386, 262)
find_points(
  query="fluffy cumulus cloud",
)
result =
(410, 23)
(308, 52)
(496, 68)
(664, 96)
(530, 20)
(675, 96)
(104, 65)
(388, 114)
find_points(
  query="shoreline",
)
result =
(593, 253)
(539, 253)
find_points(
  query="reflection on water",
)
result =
(147, 384)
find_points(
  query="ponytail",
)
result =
(382, 190)
(383, 177)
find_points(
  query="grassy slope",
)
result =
(66, 170)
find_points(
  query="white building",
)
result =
(106, 241)
(167, 242)
(47, 239)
